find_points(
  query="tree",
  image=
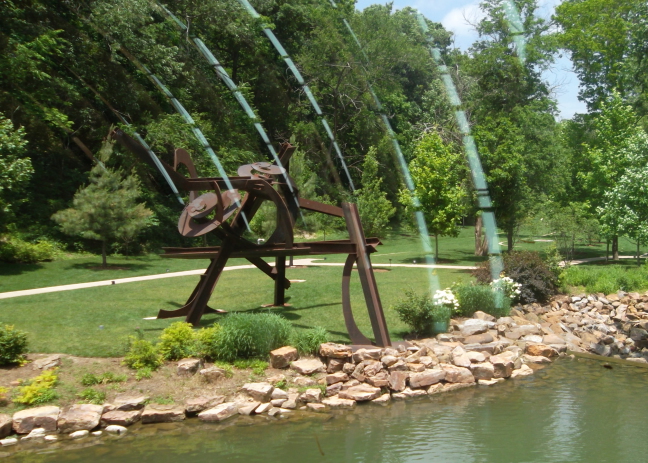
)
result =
(15, 170)
(438, 172)
(106, 209)
(374, 207)
(610, 155)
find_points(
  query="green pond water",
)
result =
(572, 411)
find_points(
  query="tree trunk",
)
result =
(481, 242)
(103, 254)
(436, 248)
(509, 239)
(615, 248)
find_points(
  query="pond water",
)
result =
(572, 411)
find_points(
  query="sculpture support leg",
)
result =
(367, 278)
(280, 289)
(355, 334)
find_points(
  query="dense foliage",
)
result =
(13, 345)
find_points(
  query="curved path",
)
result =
(307, 262)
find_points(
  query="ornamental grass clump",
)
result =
(307, 342)
(13, 345)
(247, 335)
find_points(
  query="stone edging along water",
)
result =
(478, 351)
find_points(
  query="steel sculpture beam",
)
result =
(220, 206)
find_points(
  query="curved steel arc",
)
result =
(474, 162)
(300, 80)
(407, 178)
(240, 98)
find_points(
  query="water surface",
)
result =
(572, 411)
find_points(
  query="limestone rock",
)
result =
(80, 417)
(484, 370)
(128, 402)
(156, 413)
(360, 393)
(483, 316)
(121, 417)
(334, 389)
(258, 391)
(189, 367)
(335, 365)
(263, 408)
(219, 412)
(8, 441)
(274, 402)
(79, 434)
(416, 367)
(389, 360)
(315, 407)
(337, 402)
(426, 378)
(311, 396)
(475, 326)
(304, 381)
(459, 357)
(476, 357)
(524, 370)
(456, 374)
(536, 359)
(25, 421)
(489, 382)
(479, 339)
(503, 366)
(212, 374)
(397, 380)
(383, 399)
(414, 392)
(47, 363)
(553, 339)
(281, 358)
(291, 402)
(541, 350)
(379, 380)
(367, 354)
(5, 425)
(336, 351)
(248, 408)
(198, 404)
(116, 429)
(279, 394)
(53, 438)
(307, 366)
(428, 361)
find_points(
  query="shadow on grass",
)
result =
(96, 266)
(465, 257)
(18, 269)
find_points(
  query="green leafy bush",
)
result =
(528, 268)
(247, 335)
(16, 251)
(90, 379)
(142, 354)
(13, 345)
(143, 373)
(416, 311)
(92, 396)
(178, 341)
(258, 366)
(481, 297)
(38, 390)
(4, 396)
(307, 342)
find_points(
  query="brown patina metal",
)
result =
(211, 208)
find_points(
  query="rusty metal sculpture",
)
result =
(262, 181)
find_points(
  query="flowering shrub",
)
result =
(508, 287)
(445, 297)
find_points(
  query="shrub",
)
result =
(415, 311)
(13, 345)
(143, 373)
(441, 313)
(38, 390)
(142, 354)
(90, 379)
(178, 341)
(308, 341)
(206, 339)
(16, 251)
(248, 335)
(481, 297)
(538, 281)
(4, 396)
(92, 396)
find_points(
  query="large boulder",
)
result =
(484, 370)
(360, 393)
(5, 425)
(281, 358)
(189, 367)
(337, 402)
(120, 417)
(198, 404)
(336, 378)
(336, 351)
(308, 366)
(503, 365)
(367, 354)
(156, 413)
(40, 417)
(80, 417)
(212, 374)
(541, 350)
(219, 412)
(397, 380)
(128, 402)
(475, 326)
(426, 378)
(456, 374)
(258, 391)
(47, 363)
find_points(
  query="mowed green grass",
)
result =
(97, 321)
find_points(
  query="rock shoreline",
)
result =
(478, 351)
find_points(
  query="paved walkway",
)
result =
(308, 262)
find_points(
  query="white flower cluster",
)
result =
(445, 297)
(510, 288)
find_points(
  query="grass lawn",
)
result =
(97, 321)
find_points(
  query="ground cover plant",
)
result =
(38, 390)
(606, 278)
